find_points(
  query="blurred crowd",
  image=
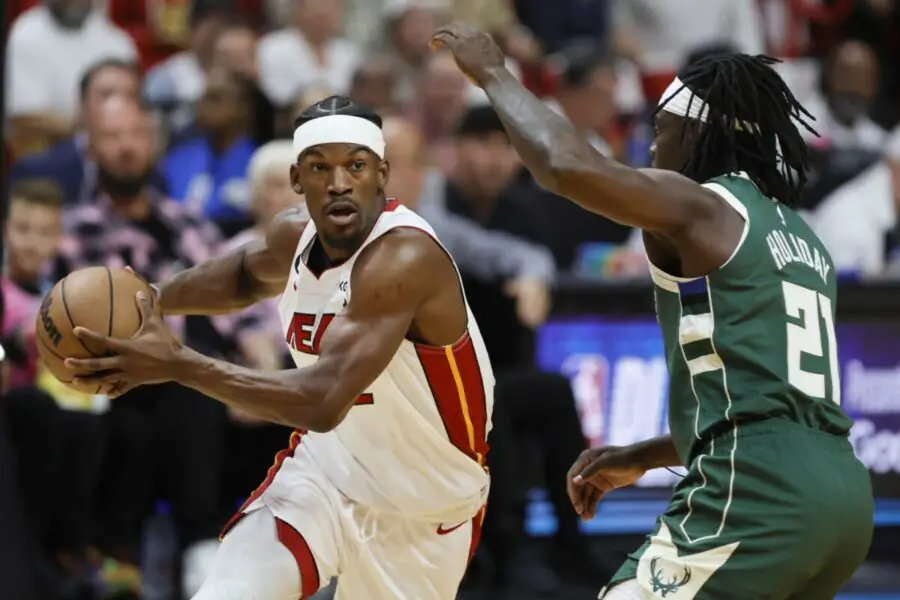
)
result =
(155, 133)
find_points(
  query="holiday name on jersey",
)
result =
(787, 248)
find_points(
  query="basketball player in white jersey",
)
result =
(384, 481)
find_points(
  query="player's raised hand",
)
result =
(144, 359)
(475, 51)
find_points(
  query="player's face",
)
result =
(670, 148)
(344, 188)
(32, 235)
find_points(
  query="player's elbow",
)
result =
(328, 415)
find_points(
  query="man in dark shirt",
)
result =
(167, 430)
(490, 188)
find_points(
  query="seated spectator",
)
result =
(374, 84)
(57, 434)
(68, 163)
(487, 189)
(586, 96)
(409, 25)
(256, 333)
(440, 101)
(849, 85)
(167, 430)
(254, 337)
(177, 83)
(48, 51)
(209, 172)
(488, 255)
(309, 52)
(31, 234)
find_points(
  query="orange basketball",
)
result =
(97, 298)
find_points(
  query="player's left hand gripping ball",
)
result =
(148, 357)
(476, 53)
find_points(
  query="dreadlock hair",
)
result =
(337, 105)
(751, 124)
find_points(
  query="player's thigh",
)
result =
(252, 563)
(409, 560)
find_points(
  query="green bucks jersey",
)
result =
(756, 338)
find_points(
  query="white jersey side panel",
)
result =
(415, 442)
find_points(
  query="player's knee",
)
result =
(226, 590)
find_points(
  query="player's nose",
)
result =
(340, 182)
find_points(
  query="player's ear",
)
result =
(384, 174)
(295, 179)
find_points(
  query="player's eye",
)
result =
(317, 167)
(357, 165)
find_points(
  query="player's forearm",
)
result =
(656, 453)
(561, 158)
(216, 286)
(287, 397)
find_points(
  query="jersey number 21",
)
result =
(812, 309)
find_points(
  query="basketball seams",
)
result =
(62, 295)
(112, 302)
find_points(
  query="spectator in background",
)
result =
(167, 430)
(409, 25)
(586, 96)
(68, 163)
(858, 220)
(174, 85)
(557, 23)
(658, 34)
(48, 51)
(59, 441)
(31, 235)
(487, 255)
(439, 103)
(309, 52)
(254, 336)
(849, 86)
(487, 188)
(209, 172)
(235, 47)
(374, 84)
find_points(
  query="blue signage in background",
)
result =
(619, 379)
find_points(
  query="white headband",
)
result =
(678, 99)
(339, 129)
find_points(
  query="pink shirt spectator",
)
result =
(20, 311)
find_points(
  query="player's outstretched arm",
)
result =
(393, 279)
(235, 280)
(561, 158)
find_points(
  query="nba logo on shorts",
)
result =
(590, 377)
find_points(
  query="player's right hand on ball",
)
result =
(596, 472)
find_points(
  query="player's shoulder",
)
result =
(405, 252)
(283, 233)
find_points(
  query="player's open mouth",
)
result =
(341, 213)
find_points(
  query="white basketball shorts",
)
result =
(284, 546)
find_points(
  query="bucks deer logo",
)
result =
(662, 583)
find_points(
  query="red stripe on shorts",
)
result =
(306, 562)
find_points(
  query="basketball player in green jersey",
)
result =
(774, 504)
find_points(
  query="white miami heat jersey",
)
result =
(415, 441)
